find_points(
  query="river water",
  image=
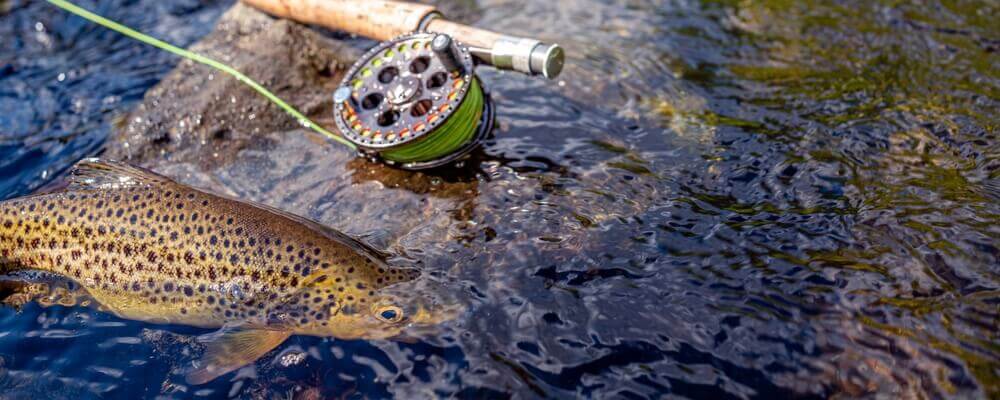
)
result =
(717, 199)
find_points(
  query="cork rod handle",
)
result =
(377, 19)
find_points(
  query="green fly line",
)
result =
(124, 30)
(447, 138)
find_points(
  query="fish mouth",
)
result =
(425, 323)
(436, 306)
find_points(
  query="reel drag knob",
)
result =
(414, 102)
(442, 46)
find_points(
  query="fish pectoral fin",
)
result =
(232, 348)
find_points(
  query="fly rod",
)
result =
(386, 20)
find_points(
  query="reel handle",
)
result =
(385, 19)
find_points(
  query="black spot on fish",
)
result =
(213, 240)
(168, 287)
(188, 291)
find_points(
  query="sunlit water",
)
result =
(717, 199)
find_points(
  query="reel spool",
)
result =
(414, 102)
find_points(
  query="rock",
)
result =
(197, 111)
(207, 129)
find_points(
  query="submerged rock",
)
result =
(536, 205)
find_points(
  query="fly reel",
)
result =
(414, 102)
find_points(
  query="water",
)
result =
(717, 199)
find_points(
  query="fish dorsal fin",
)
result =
(97, 174)
(376, 255)
(232, 348)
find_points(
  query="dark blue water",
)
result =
(718, 199)
(63, 81)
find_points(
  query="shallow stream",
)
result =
(717, 199)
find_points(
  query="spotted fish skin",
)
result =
(151, 249)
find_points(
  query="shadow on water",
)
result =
(718, 199)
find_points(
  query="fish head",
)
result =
(414, 308)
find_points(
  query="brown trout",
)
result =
(150, 249)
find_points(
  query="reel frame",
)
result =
(400, 92)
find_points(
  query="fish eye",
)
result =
(390, 314)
